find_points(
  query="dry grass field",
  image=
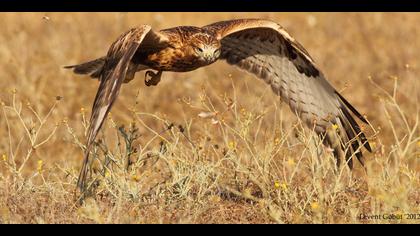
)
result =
(209, 146)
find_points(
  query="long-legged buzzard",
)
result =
(261, 47)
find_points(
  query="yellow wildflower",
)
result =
(40, 165)
(279, 185)
(315, 206)
(135, 178)
(232, 145)
(373, 145)
(380, 197)
(284, 186)
(4, 157)
(335, 126)
(215, 199)
(247, 192)
(291, 162)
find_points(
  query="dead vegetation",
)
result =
(210, 146)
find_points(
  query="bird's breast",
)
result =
(171, 59)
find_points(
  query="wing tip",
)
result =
(69, 67)
(344, 107)
(352, 109)
(354, 134)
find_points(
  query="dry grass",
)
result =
(249, 162)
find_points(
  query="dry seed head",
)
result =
(329, 150)
(206, 115)
(214, 121)
(311, 20)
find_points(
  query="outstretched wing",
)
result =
(112, 76)
(266, 50)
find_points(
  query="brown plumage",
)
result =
(261, 47)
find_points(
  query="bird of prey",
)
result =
(261, 47)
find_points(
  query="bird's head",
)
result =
(206, 49)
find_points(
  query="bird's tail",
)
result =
(93, 68)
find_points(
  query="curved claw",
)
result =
(154, 78)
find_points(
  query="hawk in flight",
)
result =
(261, 47)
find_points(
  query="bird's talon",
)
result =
(154, 78)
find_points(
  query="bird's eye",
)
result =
(199, 49)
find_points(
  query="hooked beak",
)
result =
(211, 55)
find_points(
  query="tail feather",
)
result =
(93, 68)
